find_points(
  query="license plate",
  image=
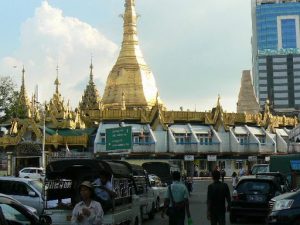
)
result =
(255, 198)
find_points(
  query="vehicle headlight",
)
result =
(283, 204)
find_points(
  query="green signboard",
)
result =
(118, 138)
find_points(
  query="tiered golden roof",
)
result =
(24, 106)
(91, 99)
(130, 77)
(59, 115)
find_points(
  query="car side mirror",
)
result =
(45, 220)
(32, 194)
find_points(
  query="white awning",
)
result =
(256, 130)
(200, 129)
(240, 130)
(180, 129)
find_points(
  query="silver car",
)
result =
(26, 191)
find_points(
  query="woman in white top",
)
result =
(88, 211)
(234, 179)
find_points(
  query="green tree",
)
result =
(8, 98)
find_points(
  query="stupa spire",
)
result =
(23, 107)
(130, 73)
(91, 99)
(91, 70)
(56, 82)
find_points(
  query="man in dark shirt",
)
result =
(217, 192)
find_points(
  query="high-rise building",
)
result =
(276, 53)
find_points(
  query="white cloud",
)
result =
(49, 39)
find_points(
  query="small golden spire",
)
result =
(91, 70)
(56, 82)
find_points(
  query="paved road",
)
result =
(198, 208)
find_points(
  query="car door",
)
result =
(14, 215)
(2, 218)
(20, 191)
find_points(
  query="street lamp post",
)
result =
(43, 142)
(42, 109)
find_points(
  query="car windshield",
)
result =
(37, 185)
(253, 186)
(259, 169)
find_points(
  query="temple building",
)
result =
(131, 98)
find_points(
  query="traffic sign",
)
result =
(211, 158)
(189, 158)
(119, 138)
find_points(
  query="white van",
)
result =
(32, 172)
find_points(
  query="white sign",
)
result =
(211, 158)
(188, 158)
(252, 158)
(267, 158)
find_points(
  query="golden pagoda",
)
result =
(247, 101)
(130, 77)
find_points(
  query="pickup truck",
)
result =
(150, 197)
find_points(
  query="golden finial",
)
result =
(91, 69)
(129, 3)
(56, 82)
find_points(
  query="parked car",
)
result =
(252, 195)
(14, 212)
(32, 172)
(26, 191)
(285, 209)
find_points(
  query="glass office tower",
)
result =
(275, 53)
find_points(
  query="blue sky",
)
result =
(196, 49)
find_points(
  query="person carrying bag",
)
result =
(176, 202)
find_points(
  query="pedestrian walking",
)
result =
(223, 173)
(88, 211)
(234, 180)
(242, 172)
(217, 193)
(176, 203)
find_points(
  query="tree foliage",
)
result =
(8, 98)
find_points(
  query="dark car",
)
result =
(285, 209)
(281, 179)
(13, 212)
(252, 195)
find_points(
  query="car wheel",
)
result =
(232, 218)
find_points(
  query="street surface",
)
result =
(198, 208)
